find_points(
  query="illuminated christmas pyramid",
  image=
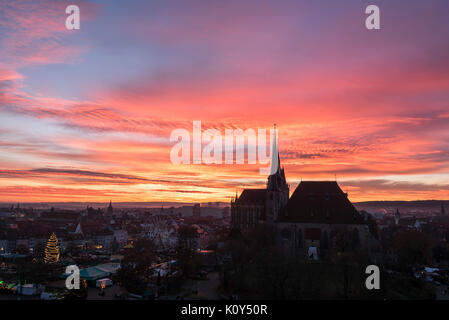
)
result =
(52, 250)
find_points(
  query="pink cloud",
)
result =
(34, 31)
(347, 103)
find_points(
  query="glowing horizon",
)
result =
(87, 114)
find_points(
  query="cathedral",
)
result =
(255, 206)
(317, 220)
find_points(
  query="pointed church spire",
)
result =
(110, 209)
(275, 159)
(276, 179)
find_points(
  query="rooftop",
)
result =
(320, 202)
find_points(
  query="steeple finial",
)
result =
(275, 159)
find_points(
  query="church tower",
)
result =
(277, 187)
(110, 209)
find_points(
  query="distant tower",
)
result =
(277, 187)
(443, 211)
(196, 210)
(110, 209)
(397, 217)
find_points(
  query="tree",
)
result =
(440, 252)
(39, 250)
(372, 226)
(141, 255)
(36, 272)
(185, 249)
(52, 250)
(128, 277)
(186, 237)
(412, 247)
(115, 245)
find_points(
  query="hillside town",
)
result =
(265, 244)
(99, 241)
(205, 252)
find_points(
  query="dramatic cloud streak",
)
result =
(86, 115)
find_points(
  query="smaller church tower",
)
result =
(443, 211)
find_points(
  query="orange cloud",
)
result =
(371, 109)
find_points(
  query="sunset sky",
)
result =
(86, 115)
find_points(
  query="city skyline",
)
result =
(87, 114)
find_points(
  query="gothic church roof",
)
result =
(320, 202)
